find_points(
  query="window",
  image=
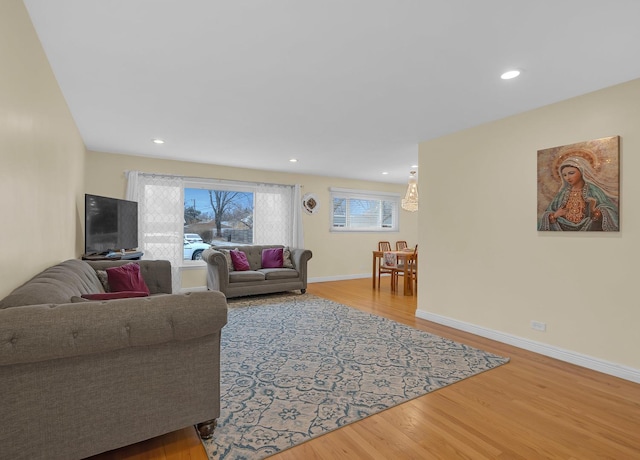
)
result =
(364, 211)
(174, 212)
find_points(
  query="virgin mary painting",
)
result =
(585, 178)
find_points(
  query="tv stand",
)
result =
(128, 255)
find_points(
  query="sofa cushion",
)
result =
(286, 257)
(248, 275)
(227, 256)
(279, 273)
(114, 295)
(126, 278)
(240, 262)
(272, 258)
(104, 279)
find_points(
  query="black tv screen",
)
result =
(110, 224)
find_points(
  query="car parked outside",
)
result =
(193, 238)
(194, 250)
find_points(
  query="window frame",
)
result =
(368, 195)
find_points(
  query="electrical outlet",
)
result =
(539, 326)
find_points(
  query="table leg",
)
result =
(374, 271)
(406, 276)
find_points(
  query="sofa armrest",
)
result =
(217, 270)
(42, 332)
(300, 257)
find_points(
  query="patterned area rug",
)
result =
(298, 366)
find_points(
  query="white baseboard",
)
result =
(322, 279)
(596, 364)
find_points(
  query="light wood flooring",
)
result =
(534, 407)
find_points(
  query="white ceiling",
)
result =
(348, 87)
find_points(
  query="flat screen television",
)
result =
(110, 224)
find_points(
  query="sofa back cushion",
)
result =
(55, 285)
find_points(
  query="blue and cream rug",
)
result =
(296, 367)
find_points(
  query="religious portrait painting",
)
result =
(579, 187)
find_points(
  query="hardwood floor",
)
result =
(534, 407)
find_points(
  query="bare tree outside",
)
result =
(219, 215)
(222, 202)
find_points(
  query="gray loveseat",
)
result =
(82, 378)
(222, 277)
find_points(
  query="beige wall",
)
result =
(41, 157)
(335, 255)
(486, 263)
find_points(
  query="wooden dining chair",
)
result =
(412, 272)
(400, 245)
(384, 246)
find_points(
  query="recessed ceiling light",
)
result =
(157, 141)
(385, 173)
(293, 160)
(510, 74)
(414, 166)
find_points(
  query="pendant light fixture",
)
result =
(410, 200)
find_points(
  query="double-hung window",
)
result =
(364, 211)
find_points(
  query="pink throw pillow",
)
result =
(240, 262)
(272, 258)
(115, 295)
(126, 278)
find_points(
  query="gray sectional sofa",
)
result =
(222, 277)
(82, 378)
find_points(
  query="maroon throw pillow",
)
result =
(115, 295)
(272, 258)
(240, 262)
(126, 278)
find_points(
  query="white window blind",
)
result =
(364, 211)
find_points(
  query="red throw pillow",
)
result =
(115, 295)
(126, 278)
(272, 258)
(240, 262)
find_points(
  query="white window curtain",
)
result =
(298, 230)
(277, 216)
(160, 218)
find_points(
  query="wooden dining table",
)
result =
(410, 258)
